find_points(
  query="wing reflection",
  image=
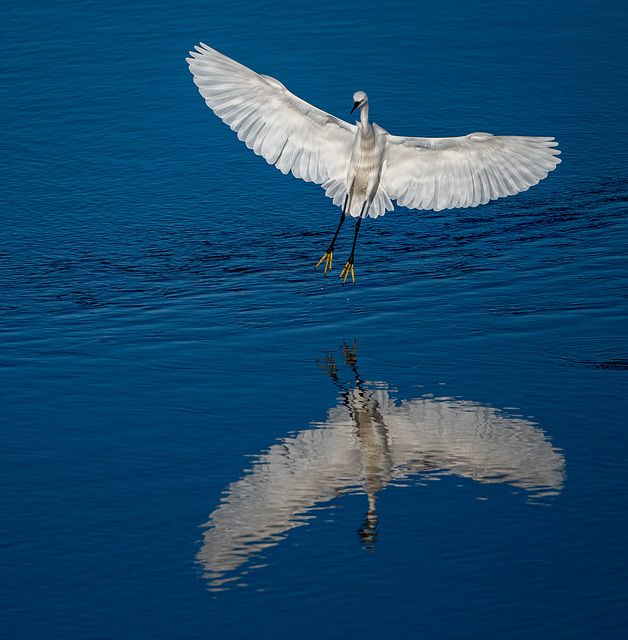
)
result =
(368, 441)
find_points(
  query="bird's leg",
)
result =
(349, 266)
(329, 254)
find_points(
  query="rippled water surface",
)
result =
(203, 437)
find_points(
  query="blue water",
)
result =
(202, 437)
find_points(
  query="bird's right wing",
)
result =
(286, 131)
(443, 173)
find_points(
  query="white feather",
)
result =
(442, 173)
(285, 130)
(361, 166)
(419, 173)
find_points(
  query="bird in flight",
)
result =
(361, 166)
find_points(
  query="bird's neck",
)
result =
(364, 116)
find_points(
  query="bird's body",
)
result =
(361, 166)
(367, 158)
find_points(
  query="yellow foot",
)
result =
(328, 259)
(346, 271)
(349, 354)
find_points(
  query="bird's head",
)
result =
(359, 100)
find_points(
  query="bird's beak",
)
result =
(355, 106)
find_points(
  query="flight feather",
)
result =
(443, 173)
(286, 131)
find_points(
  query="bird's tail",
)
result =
(336, 189)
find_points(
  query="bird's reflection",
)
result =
(369, 440)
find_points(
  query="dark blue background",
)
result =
(161, 319)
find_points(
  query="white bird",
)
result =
(361, 166)
(370, 440)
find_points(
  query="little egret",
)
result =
(361, 166)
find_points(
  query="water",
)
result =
(438, 451)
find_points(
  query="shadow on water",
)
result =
(369, 441)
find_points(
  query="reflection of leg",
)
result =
(329, 254)
(349, 266)
(329, 367)
(349, 354)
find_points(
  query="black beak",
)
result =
(355, 106)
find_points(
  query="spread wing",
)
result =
(443, 173)
(286, 131)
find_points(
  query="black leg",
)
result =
(330, 251)
(343, 215)
(349, 266)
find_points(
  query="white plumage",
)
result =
(369, 441)
(361, 166)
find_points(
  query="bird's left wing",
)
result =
(443, 173)
(286, 131)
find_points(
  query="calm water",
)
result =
(202, 437)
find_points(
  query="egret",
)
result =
(370, 440)
(361, 166)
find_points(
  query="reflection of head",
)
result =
(368, 530)
(369, 440)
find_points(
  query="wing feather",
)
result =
(286, 131)
(442, 173)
